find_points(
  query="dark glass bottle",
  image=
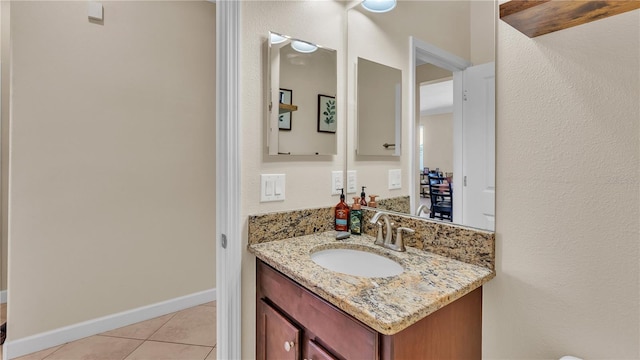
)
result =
(355, 217)
(342, 214)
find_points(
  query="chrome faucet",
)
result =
(422, 208)
(387, 240)
(387, 222)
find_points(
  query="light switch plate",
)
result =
(272, 187)
(95, 10)
(352, 182)
(337, 182)
(395, 179)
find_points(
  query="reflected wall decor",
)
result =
(327, 114)
(284, 119)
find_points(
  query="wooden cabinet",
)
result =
(326, 331)
(293, 323)
(281, 338)
(317, 352)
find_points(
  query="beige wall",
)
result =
(377, 102)
(307, 75)
(482, 32)
(567, 255)
(4, 139)
(438, 141)
(308, 178)
(567, 205)
(112, 178)
(430, 72)
(444, 24)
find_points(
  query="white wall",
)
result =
(112, 183)
(567, 206)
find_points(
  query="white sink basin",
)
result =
(356, 262)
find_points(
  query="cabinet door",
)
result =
(317, 352)
(277, 337)
(346, 337)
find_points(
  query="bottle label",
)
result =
(355, 224)
(342, 220)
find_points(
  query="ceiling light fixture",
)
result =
(379, 6)
(303, 47)
(277, 39)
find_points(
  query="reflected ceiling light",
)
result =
(379, 6)
(303, 47)
(277, 39)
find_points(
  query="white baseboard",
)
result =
(19, 347)
(3, 296)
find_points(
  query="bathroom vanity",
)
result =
(433, 310)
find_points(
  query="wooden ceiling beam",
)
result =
(538, 17)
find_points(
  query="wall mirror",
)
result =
(379, 109)
(301, 99)
(445, 51)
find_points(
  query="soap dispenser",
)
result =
(342, 214)
(363, 200)
(373, 202)
(355, 217)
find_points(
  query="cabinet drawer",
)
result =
(317, 352)
(345, 335)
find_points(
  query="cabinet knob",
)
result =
(288, 345)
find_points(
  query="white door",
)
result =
(478, 148)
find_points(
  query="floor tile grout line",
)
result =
(132, 351)
(165, 323)
(54, 351)
(142, 341)
(119, 337)
(209, 353)
(179, 343)
(132, 338)
(173, 342)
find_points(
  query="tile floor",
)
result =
(188, 334)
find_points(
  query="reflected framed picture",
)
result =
(327, 119)
(284, 119)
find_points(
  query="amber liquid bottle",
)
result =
(342, 214)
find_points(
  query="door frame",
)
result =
(228, 182)
(443, 59)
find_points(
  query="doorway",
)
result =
(472, 132)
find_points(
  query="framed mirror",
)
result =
(301, 114)
(379, 113)
(439, 46)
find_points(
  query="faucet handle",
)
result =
(405, 229)
(398, 245)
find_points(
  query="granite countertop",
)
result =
(387, 305)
